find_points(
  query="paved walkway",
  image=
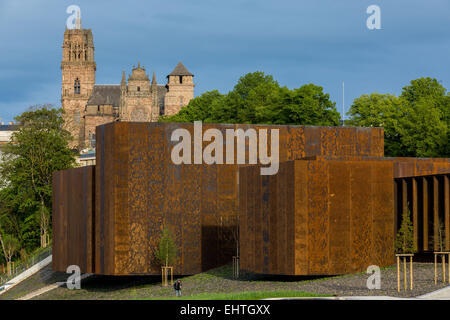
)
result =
(40, 291)
(441, 294)
(48, 288)
(26, 274)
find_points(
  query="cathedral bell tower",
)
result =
(180, 89)
(78, 79)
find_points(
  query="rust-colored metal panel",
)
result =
(435, 213)
(328, 141)
(415, 214)
(290, 209)
(318, 220)
(404, 195)
(257, 222)
(347, 141)
(363, 147)
(447, 210)
(361, 214)
(244, 237)
(382, 212)
(138, 189)
(265, 221)
(301, 216)
(73, 215)
(339, 210)
(331, 216)
(273, 234)
(296, 143)
(312, 141)
(414, 167)
(425, 213)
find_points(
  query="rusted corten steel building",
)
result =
(331, 208)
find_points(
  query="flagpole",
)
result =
(343, 103)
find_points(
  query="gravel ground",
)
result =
(219, 280)
(355, 285)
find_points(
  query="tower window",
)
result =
(138, 88)
(181, 79)
(92, 139)
(76, 86)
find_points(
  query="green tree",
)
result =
(167, 251)
(416, 123)
(307, 105)
(404, 241)
(38, 148)
(424, 129)
(199, 109)
(380, 110)
(257, 98)
(10, 246)
(423, 133)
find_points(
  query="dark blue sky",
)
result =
(323, 42)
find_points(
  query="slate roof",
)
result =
(180, 70)
(109, 94)
(9, 127)
(105, 94)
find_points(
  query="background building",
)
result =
(87, 104)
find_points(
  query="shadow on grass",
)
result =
(101, 283)
(226, 272)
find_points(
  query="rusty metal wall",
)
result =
(73, 218)
(326, 217)
(138, 189)
(414, 167)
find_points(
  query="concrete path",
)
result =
(26, 274)
(343, 298)
(441, 294)
(40, 291)
(48, 288)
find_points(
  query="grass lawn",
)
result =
(218, 284)
(215, 284)
(252, 295)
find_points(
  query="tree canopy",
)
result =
(38, 148)
(416, 123)
(257, 98)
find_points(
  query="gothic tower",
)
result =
(136, 97)
(78, 79)
(180, 89)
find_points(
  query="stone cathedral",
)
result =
(87, 104)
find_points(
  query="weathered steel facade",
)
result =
(73, 218)
(135, 189)
(317, 217)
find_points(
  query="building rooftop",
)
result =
(9, 127)
(105, 94)
(180, 70)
